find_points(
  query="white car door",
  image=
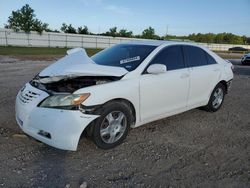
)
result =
(166, 92)
(204, 74)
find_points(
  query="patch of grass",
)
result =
(19, 51)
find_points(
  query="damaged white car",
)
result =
(121, 87)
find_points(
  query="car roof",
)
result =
(157, 42)
(147, 42)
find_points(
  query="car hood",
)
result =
(76, 64)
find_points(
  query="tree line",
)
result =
(25, 19)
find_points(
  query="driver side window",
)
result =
(171, 56)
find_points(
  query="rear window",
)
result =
(195, 56)
(128, 56)
(210, 60)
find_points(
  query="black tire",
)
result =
(107, 109)
(213, 108)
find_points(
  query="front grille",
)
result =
(27, 96)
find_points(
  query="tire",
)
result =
(212, 105)
(114, 123)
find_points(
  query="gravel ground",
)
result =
(193, 149)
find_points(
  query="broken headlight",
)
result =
(64, 101)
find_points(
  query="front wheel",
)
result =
(112, 127)
(216, 98)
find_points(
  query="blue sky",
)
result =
(181, 17)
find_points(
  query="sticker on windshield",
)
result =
(129, 60)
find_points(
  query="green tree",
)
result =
(234, 39)
(125, 33)
(149, 33)
(246, 40)
(219, 38)
(209, 38)
(83, 30)
(68, 28)
(226, 38)
(25, 19)
(112, 32)
(39, 26)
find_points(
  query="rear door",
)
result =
(204, 74)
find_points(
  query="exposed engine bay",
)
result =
(75, 71)
(70, 85)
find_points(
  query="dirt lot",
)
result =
(193, 149)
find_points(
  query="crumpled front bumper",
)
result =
(58, 128)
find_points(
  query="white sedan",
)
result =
(121, 87)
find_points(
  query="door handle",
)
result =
(216, 70)
(185, 75)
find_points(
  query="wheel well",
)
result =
(130, 105)
(224, 83)
(88, 130)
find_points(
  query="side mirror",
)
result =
(157, 69)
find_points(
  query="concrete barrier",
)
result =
(50, 39)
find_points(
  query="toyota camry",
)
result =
(121, 87)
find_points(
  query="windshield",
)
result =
(128, 56)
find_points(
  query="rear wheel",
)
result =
(216, 98)
(112, 127)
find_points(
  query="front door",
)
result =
(166, 92)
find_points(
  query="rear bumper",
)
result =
(58, 128)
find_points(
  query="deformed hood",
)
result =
(75, 64)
